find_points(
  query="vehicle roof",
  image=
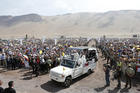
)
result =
(82, 48)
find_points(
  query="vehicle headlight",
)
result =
(61, 75)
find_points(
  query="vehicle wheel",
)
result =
(67, 82)
(89, 72)
(53, 80)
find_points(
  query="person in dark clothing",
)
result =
(10, 89)
(118, 73)
(129, 76)
(14, 63)
(36, 69)
(0, 49)
(108, 58)
(33, 65)
(128, 80)
(1, 89)
(107, 74)
(18, 62)
(8, 61)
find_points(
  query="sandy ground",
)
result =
(85, 84)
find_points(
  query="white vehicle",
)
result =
(79, 61)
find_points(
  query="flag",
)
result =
(26, 57)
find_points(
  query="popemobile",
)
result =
(78, 61)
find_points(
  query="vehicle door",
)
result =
(78, 69)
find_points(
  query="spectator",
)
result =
(107, 74)
(118, 71)
(10, 89)
(1, 89)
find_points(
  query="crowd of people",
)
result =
(40, 55)
(122, 57)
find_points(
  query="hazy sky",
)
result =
(56, 7)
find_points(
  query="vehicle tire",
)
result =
(53, 80)
(89, 72)
(67, 82)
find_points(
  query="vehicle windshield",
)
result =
(68, 63)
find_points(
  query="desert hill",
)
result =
(113, 24)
